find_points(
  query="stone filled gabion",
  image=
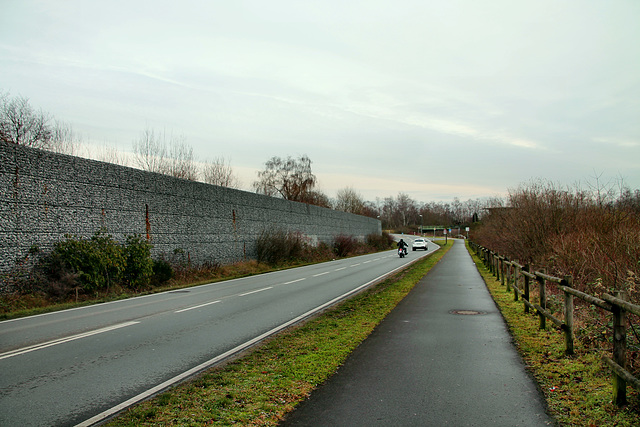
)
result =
(45, 196)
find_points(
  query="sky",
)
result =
(434, 99)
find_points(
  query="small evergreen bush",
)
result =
(98, 262)
(162, 272)
(138, 269)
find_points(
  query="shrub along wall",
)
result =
(45, 195)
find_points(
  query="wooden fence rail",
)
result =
(520, 278)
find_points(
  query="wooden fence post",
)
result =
(509, 266)
(493, 263)
(543, 299)
(527, 281)
(501, 263)
(568, 316)
(516, 278)
(620, 349)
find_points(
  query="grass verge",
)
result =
(578, 389)
(268, 382)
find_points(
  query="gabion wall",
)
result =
(44, 196)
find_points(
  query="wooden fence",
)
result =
(520, 278)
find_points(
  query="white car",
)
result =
(419, 243)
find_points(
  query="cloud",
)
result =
(619, 142)
(360, 88)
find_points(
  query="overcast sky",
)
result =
(436, 99)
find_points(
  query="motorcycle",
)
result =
(402, 252)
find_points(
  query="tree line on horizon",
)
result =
(288, 178)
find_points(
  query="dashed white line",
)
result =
(354, 265)
(293, 281)
(160, 387)
(341, 268)
(256, 291)
(63, 340)
(320, 274)
(196, 306)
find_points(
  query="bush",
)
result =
(138, 263)
(572, 232)
(162, 272)
(98, 262)
(380, 242)
(343, 245)
(276, 246)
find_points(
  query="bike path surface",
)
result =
(432, 362)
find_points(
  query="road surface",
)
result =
(76, 367)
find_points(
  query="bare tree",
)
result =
(21, 124)
(4, 130)
(288, 178)
(316, 198)
(406, 208)
(181, 163)
(388, 211)
(150, 151)
(173, 156)
(64, 140)
(110, 154)
(219, 172)
(349, 200)
(603, 191)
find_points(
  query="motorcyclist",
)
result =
(402, 244)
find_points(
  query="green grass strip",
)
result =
(264, 385)
(578, 389)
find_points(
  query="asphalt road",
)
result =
(443, 357)
(76, 367)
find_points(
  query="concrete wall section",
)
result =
(44, 196)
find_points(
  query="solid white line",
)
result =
(160, 387)
(35, 347)
(197, 306)
(253, 292)
(294, 281)
(320, 274)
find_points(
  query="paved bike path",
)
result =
(432, 362)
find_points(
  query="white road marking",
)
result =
(35, 347)
(181, 377)
(255, 292)
(320, 274)
(294, 281)
(196, 306)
